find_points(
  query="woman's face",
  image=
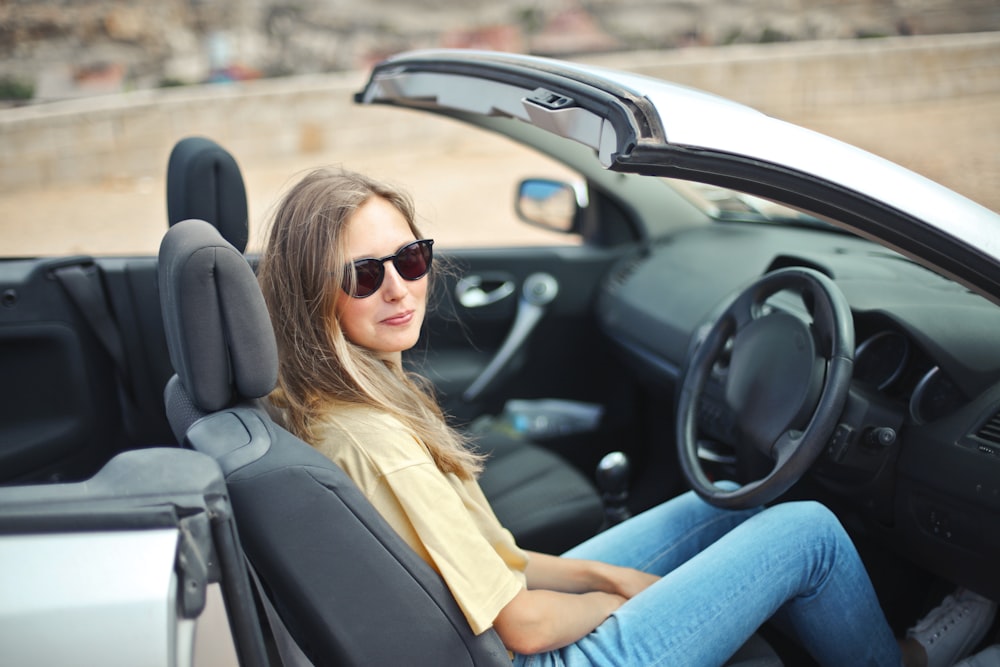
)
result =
(388, 321)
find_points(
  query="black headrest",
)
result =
(218, 330)
(204, 182)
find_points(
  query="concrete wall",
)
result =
(801, 78)
(104, 139)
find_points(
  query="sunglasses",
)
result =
(412, 262)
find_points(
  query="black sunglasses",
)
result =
(412, 262)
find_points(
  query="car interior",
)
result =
(572, 367)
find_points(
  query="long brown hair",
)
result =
(300, 271)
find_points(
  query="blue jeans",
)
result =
(724, 573)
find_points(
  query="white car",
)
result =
(743, 298)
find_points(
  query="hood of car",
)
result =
(643, 125)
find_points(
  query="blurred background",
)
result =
(53, 49)
(93, 93)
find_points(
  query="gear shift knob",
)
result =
(612, 481)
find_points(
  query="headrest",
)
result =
(218, 330)
(204, 182)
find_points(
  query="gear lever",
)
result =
(612, 482)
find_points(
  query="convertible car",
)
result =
(734, 298)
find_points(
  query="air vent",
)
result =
(990, 431)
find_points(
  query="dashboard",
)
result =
(917, 452)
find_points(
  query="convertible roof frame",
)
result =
(664, 129)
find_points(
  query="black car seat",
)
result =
(546, 503)
(347, 588)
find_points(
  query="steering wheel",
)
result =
(779, 381)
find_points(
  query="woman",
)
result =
(345, 275)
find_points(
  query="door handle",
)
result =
(471, 293)
(538, 291)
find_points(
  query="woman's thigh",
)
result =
(661, 538)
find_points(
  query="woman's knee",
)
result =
(806, 509)
(811, 517)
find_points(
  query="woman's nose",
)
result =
(393, 285)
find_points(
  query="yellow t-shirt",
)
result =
(446, 520)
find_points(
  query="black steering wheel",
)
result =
(778, 381)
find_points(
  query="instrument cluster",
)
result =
(889, 361)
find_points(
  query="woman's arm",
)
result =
(571, 575)
(543, 620)
(566, 599)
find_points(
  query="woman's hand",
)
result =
(627, 582)
(570, 575)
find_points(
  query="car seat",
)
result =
(347, 588)
(546, 503)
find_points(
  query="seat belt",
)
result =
(289, 651)
(85, 290)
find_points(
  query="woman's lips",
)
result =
(399, 320)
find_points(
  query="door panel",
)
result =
(564, 356)
(66, 404)
(59, 410)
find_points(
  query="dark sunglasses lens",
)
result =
(369, 277)
(413, 261)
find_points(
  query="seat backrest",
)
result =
(204, 182)
(346, 585)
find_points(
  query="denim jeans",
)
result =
(724, 573)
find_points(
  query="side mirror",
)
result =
(553, 205)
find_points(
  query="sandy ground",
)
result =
(955, 142)
(463, 194)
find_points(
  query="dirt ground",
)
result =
(955, 142)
